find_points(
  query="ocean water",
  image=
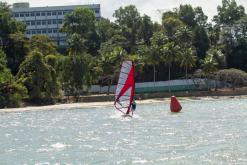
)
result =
(205, 132)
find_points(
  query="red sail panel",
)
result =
(125, 88)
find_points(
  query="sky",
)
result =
(152, 8)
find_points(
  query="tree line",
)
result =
(185, 42)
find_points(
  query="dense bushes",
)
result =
(39, 78)
(11, 93)
(235, 77)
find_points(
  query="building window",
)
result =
(49, 30)
(60, 21)
(59, 13)
(28, 32)
(42, 13)
(96, 11)
(38, 31)
(55, 30)
(28, 23)
(49, 22)
(43, 31)
(22, 15)
(48, 13)
(38, 14)
(33, 32)
(32, 14)
(27, 14)
(33, 23)
(17, 15)
(38, 23)
(54, 21)
(54, 13)
(43, 22)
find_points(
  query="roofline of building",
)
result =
(50, 8)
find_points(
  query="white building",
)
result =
(47, 20)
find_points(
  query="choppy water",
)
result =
(206, 132)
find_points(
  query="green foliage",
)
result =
(147, 29)
(39, 78)
(218, 56)
(43, 44)
(229, 12)
(235, 77)
(183, 37)
(11, 93)
(209, 64)
(200, 17)
(80, 26)
(187, 59)
(170, 55)
(130, 23)
(105, 29)
(171, 24)
(155, 55)
(12, 40)
(73, 75)
(171, 52)
(16, 51)
(200, 41)
(3, 61)
(187, 15)
(110, 61)
(238, 57)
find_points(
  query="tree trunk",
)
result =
(169, 77)
(154, 69)
(186, 72)
(109, 86)
(186, 76)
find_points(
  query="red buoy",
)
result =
(175, 105)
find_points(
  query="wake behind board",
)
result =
(126, 115)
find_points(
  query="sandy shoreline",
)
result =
(85, 105)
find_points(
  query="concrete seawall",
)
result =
(144, 96)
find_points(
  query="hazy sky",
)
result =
(149, 7)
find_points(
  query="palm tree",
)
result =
(209, 66)
(183, 36)
(187, 60)
(170, 53)
(154, 53)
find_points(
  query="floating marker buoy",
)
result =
(175, 105)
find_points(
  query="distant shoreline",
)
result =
(86, 105)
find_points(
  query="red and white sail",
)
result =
(125, 88)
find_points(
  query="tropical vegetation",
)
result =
(185, 41)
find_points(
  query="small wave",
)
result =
(44, 163)
(103, 149)
(60, 145)
(44, 150)
(88, 146)
(141, 161)
(116, 115)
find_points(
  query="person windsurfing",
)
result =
(133, 106)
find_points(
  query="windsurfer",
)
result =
(133, 106)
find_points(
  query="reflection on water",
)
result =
(206, 132)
